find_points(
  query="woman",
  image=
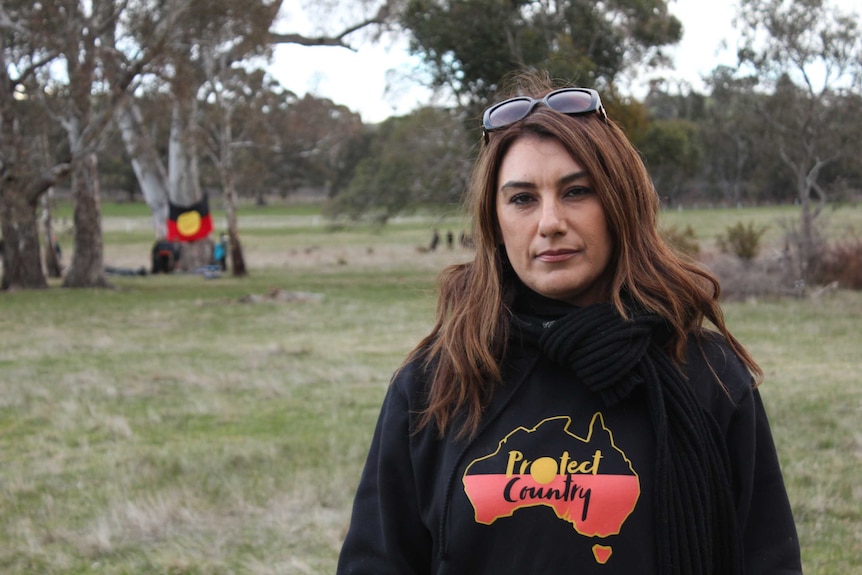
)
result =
(568, 413)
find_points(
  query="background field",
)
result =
(179, 424)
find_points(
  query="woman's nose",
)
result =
(551, 222)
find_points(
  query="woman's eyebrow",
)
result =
(573, 177)
(517, 185)
(523, 185)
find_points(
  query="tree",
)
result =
(731, 133)
(86, 105)
(257, 135)
(207, 38)
(414, 161)
(670, 140)
(150, 171)
(471, 45)
(229, 89)
(315, 135)
(672, 153)
(75, 30)
(57, 50)
(27, 168)
(809, 54)
(220, 35)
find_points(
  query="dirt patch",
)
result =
(381, 256)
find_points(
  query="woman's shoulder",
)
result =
(412, 378)
(714, 369)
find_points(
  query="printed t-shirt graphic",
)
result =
(588, 482)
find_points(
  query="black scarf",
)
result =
(695, 524)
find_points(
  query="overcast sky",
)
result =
(359, 79)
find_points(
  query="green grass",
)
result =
(172, 426)
(709, 224)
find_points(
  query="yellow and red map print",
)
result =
(588, 482)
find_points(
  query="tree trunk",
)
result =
(22, 262)
(806, 235)
(183, 181)
(53, 258)
(806, 241)
(148, 167)
(237, 260)
(87, 267)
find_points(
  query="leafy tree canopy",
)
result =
(470, 45)
(414, 161)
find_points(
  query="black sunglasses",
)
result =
(570, 101)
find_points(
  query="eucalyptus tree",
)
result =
(209, 38)
(672, 153)
(732, 134)
(230, 90)
(310, 138)
(212, 38)
(82, 33)
(261, 138)
(807, 56)
(29, 166)
(669, 138)
(32, 98)
(54, 55)
(469, 46)
(414, 161)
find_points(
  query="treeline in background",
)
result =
(170, 102)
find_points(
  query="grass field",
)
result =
(185, 425)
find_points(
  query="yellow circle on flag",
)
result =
(189, 223)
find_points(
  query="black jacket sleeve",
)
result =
(770, 542)
(769, 539)
(386, 534)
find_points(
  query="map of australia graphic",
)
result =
(587, 481)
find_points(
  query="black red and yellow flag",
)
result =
(189, 223)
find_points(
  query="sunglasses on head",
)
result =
(570, 101)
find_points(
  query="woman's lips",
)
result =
(554, 256)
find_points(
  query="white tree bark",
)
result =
(149, 170)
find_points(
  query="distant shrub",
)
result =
(683, 241)
(742, 240)
(741, 280)
(842, 262)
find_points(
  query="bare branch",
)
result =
(276, 38)
(48, 178)
(381, 17)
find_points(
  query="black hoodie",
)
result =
(554, 481)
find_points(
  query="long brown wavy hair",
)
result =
(465, 349)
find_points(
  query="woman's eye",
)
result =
(520, 199)
(575, 191)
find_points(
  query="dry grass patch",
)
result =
(167, 427)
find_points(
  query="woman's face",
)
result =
(552, 223)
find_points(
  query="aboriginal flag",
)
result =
(189, 223)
